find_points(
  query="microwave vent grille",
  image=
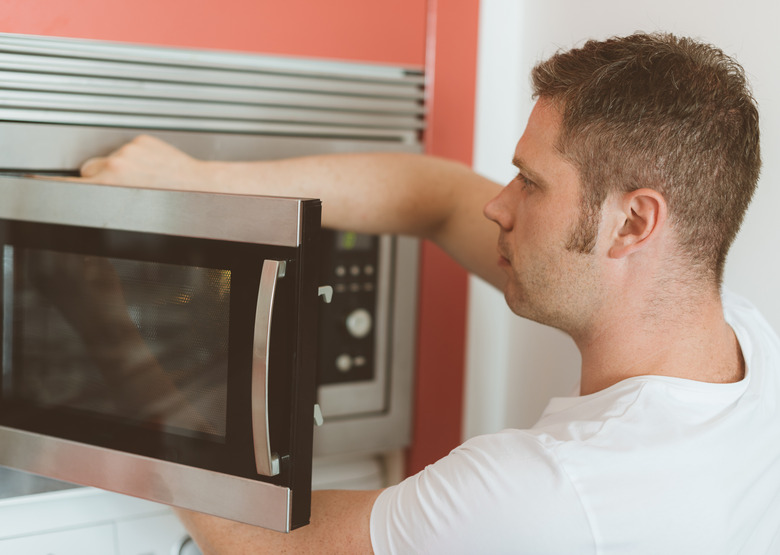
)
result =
(95, 83)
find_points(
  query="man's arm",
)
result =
(339, 524)
(405, 194)
(371, 193)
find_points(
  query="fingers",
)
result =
(108, 169)
(143, 162)
(104, 165)
(93, 166)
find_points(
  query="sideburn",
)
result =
(582, 238)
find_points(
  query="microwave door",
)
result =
(164, 359)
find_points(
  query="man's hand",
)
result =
(147, 162)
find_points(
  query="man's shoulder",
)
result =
(758, 340)
(485, 496)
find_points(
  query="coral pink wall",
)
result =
(392, 32)
(451, 66)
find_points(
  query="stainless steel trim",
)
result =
(235, 498)
(17, 80)
(176, 108)
(82, 48)
(201, 124)
(267, 462)
(249, 219)
(227, 77)
(8, 312)
(65, 147)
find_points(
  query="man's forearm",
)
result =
(406, 194)
(372, 193)
(339, 525)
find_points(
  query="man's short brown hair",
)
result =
(667, 113)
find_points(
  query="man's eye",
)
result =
(524, 181)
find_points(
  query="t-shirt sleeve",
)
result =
(498, 493)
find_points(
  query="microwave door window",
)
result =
(138, 342)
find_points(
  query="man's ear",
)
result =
(643, 215)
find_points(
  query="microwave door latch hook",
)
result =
(326, 292)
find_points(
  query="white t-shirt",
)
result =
(650, 465)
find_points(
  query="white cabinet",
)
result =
(94, 540)
(86, 521)
(153, 535)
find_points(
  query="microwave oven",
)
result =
(157, 328)
(63, 101)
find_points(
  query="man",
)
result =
(634, 172)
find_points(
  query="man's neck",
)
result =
(689, 340)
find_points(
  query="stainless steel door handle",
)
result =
(267, 463)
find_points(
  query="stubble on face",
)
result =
(558, 288)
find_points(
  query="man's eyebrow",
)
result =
(528, 172)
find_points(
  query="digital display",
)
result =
(351, 241)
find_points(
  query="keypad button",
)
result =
(344, 363)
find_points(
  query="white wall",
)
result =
(514, 366)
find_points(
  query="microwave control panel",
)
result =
(349, 263)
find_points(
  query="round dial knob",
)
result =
(359, 323)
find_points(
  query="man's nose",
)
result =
(497, 209)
